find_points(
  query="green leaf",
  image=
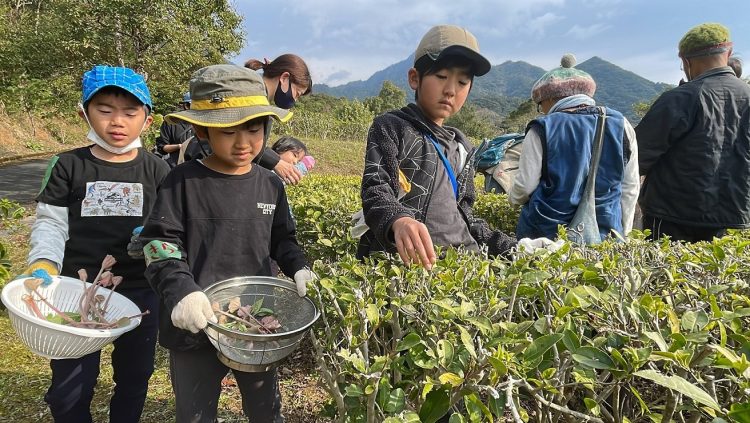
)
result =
(740, 412)
(467, 341)
(445, 352)
(476, 409)
(694, 321)
(450, 378)
(570, 340)
(353, 391)
(540, 346)
(435, 406)
(482, 323)
(658, 339)
(680, 385)
(456, 418)
(497, 405)
(593, 406)
(594, 358)
(409, 341)
(373, 314)
(396, 401)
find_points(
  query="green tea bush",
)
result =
(497, 211)
(623, 332)
(322, 206)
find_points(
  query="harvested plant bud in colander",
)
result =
(92, 307)
(250, 318)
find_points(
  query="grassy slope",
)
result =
(24, 377)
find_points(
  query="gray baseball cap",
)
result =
(227, 95)
(445, 40)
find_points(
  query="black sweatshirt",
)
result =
(206, 227)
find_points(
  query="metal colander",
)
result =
(260, 352)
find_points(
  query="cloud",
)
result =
(538, 25)
(582, 33)
(337, 77)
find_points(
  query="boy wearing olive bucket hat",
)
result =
(214, 219)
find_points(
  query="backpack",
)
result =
(497, 160)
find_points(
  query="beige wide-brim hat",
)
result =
(227, 95)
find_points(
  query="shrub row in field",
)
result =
(625, 331)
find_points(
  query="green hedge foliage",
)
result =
(621, 332)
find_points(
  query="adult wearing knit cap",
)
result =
(557, 151)
(695, 145)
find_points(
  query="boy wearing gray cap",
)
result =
(418, 181)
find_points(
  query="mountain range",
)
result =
(508, 84)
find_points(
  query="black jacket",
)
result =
(694, 149)
(205, 227)
(396, 141)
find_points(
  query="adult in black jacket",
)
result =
(172, 136)
(694, 145)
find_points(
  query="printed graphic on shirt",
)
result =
(267, 208)
(105, 198)
(161, 250)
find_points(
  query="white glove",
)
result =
(193, 312)
(529, 246)
(301, 278)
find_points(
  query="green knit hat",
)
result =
(563, 82)
(704, 40)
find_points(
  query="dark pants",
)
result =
(73, 381)
(679, 232)
(196, 380)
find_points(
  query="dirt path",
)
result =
(20, 181)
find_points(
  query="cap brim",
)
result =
(481, 64)
(228, 117)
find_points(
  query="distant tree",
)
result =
(52, 42)
(472, 123)
(520, 117)
(391, 97)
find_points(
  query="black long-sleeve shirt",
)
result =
(206, 227)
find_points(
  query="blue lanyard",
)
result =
(446, 164)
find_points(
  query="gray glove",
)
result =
(135, 246)
(301, 278)
(193, 312)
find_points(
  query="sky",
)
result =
(347, 40)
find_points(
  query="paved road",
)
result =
(20, 181)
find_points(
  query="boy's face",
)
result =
(234, 148)
(441, 94)
(117, 119)
(292, 156)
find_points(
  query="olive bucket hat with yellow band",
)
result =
(223, 96)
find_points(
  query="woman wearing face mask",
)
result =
(287, 78)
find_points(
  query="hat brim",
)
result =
(227, 117)
(481, 64)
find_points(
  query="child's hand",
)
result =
(193, 312)
(288, 172)
(135, 246)
(41, 269)
(413, 242)
(302, 277)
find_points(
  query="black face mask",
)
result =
(282, 99)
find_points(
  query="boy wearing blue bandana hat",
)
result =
(91, 199)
